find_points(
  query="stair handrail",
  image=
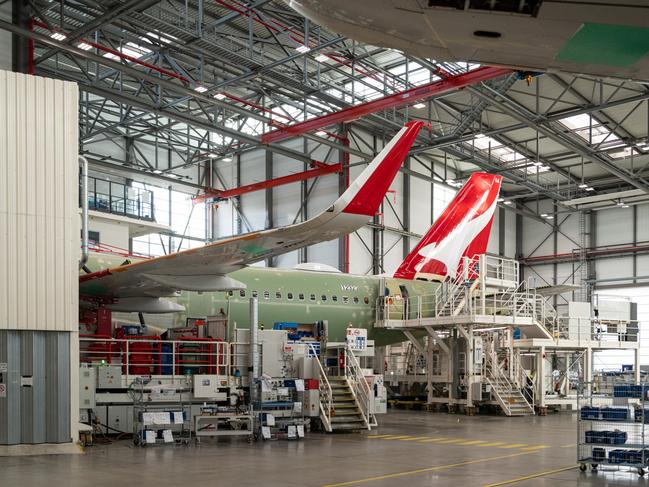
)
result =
(326, 393)
(491, 377)
(523, 376)
(358, 385)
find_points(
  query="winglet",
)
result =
(364, 195)
(461, 230)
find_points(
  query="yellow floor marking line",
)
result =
(425, 470)
(396, 437)
(456, 440)
(514, 445)
(495, 443)
(415, 438)
(571, 445)
(537, 447)
(430, 440)
(532, 476)
(379, 436)
(472, 442)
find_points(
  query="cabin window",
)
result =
(266, 295)
(334, 298)
(254, 294)
(289, 296)
(278, 295)
(366, 300)
(355, 299)
(324, 297)
(242, 293)
(345, 299)
(312, 297)
(300, 297)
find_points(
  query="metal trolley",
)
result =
(611, 428)
(160, 416)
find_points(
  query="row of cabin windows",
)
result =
(301, 297)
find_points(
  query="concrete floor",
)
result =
(409, 449)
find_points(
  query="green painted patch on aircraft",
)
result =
(606, 44)
(254, 250)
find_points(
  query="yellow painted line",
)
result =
(495, 443)
(430, 440)
(415, 438)
(456, 440)
(532, 476)
(514, 445)
(397, 437)
(425, 470)
(570, 445)
(537, 447)
(472, 442)
(378, 436)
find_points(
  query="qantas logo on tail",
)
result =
(462, 230)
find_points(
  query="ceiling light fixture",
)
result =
(302, 48)
(58, 36)
(200, 88)
(590, 188)
(84, 45)
(583, 186)
(321, 133)
(227, 159)
(220, 96)
(419, 105)
(321, 58)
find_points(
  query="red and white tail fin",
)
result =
(364, 195)
(462, 230)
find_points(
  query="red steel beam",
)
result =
(320, 170)
(398, 99)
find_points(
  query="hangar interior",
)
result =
(153, 127)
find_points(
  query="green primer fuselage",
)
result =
(291, 295)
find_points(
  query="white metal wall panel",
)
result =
(39, 222)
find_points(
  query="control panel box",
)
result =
(109, 377)
(211, 387)
(87, 387)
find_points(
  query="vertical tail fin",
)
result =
(462, 230)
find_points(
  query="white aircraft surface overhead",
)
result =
(604, 38)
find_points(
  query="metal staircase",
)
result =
(505, 391)
(346, 414)
(345, 397)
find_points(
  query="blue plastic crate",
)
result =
(588, 412)
(614, 414)
(617, 456)
(599, 454)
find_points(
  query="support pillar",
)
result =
(540, 367)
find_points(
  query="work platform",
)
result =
(492, 340)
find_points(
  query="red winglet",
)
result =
(366, 199)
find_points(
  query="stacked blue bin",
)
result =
(606, 437)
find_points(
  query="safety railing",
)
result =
(150, 355)
(358, 385)
(326, 393)
(526, 382)
(120, 199)
(502, 388)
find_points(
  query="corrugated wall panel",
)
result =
(40, 411)
(39, 222)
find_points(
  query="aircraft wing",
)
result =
(206, 268)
